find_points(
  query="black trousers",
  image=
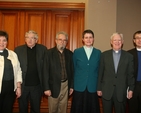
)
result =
(7, 97)
(32, 95)
(135, 102)
(114, 104)
(85, 102)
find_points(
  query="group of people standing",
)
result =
(32, 70)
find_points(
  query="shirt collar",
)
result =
(1, 51)
(91, 47)
(138, 49)
(117, 51)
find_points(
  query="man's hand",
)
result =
(47, 93)
(99, 93)
(130, 94)
(71, 91)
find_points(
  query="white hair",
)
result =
(31, 32)
(121, 35)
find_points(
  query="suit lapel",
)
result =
(37, 54)
(122, 57)
(111, 60)
(56, 55)
(25, 54)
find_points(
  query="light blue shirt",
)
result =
(88, 51)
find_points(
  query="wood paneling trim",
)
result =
(41, 5)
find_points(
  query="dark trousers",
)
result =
(7, 97)
(113, 104)
(33, 95)
(135, 102)
(85, 102)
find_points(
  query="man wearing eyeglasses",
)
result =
(58, 74)
(31, 56)
(135, 101)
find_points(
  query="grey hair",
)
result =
(31, 32)
(62, 32)
(121, 35)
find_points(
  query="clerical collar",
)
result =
(138, 49)
(1, 51)
(117, 51)
(31, 47)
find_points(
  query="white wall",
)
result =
(101, 18)
(129, 20)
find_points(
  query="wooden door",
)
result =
(46, 22)
(9, 21)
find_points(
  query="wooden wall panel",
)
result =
(48, 34)
(60, 22)
(46, 22)
(71, 22)
(42, 5)
(9, 21)
(76, 29)
(36, 20)
(21, 30)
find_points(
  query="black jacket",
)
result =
(21, 52)
(52, 71)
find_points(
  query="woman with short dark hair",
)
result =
(10, 75)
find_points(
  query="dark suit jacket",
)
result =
(22, 56)
(135, 55)
(109, 81)
(52, 71)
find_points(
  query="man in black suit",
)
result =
(58, 75)
(116, 79)
(135, 101)
(31, 56)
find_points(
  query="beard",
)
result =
(61, 48)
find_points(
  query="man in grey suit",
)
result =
(31, 56)
(58, 74)
(116, 79)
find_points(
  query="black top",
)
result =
(32, 78)
(8, 68)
